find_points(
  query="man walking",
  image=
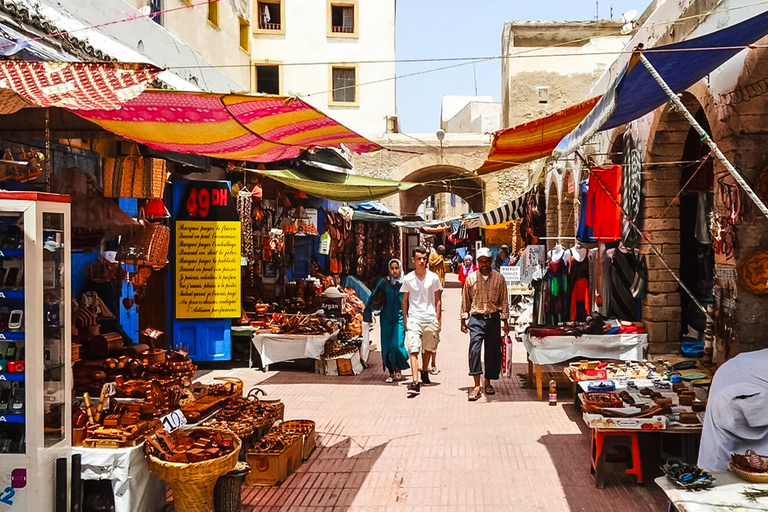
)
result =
(484, 306)
(422, 314)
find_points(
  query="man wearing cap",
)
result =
(484, 306)
(502, 258)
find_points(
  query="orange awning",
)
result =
(535, 139)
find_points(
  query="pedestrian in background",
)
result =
(484, 306)
(437, 263)
(466, 269)
(422, 314)
(387, 298)
(502, 258)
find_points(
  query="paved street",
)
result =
(380, 451)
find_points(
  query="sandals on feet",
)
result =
(489, 390)
(475, 395)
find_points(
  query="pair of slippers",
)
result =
(476, 393)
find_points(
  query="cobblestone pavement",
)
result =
(379, 451)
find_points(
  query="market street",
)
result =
(380, 451)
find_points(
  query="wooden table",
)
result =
(725, 495)
(557, 349)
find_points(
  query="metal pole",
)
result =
(704, 135)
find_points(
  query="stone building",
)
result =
(677, 173)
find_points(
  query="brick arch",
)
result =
(568, 214)
(553, 212)
(660, 219)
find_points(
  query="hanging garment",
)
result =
(603, 199)
(557, 288)
(578, 278)
(584, 232)
(701, 228)
(538, 282)
(622, 270)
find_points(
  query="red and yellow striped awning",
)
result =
(256, 128)
(535, 139)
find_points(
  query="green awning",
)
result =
(336, 186)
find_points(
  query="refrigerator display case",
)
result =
(35, 352)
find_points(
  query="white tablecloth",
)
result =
(724, 496)
(556, 349)
(274, 348)
(134, 487)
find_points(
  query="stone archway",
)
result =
(553, 214)
(438, 173)
(660, 219)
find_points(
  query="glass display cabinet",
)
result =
(35, 351)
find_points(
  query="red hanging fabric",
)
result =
(603, 200)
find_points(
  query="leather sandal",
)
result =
(475, 395)
(489, 390)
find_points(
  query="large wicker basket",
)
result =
(192, 484)
(758, 478)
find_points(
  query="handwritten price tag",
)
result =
(173, 420)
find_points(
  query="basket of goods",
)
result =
(750, 466)
(191, 460)
(274, 457)
(305, 428)
(602, 399)
(687, 476)
(249, 418)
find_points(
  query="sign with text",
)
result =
(173, 420)
(209, 201)
(207, 269)
(511, 273)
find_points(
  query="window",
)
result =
(268, 79)
(542, 93)
(343, 19)
(269, 15)
(155, 9)
(344, 85)
(213, 13)
(245, 34)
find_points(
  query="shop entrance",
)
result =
(697, 261)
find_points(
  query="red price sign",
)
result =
(208, 200)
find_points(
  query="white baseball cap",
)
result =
(483, 252)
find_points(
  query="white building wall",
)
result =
(306, 41)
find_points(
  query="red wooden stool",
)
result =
(599, 457)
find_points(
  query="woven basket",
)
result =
(758, 478)
(192, 484)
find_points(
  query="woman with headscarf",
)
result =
(467, 268)
(393, 354)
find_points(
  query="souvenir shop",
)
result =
(125, 267)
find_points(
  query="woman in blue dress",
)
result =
(393, 354)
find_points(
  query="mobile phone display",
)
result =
(10, 352)
(14, 321)
(13, 275)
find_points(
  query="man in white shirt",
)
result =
(422, 315)
(736, 418)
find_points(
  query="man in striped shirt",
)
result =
(484, 306)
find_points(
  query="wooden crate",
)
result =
(272, 468)
(307, 430)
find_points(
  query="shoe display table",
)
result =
(557, 349)
(134, 487)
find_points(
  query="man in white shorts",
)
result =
(422, 313)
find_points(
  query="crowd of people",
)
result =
(409, 308)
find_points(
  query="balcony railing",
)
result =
(343, 30)
(269, 26)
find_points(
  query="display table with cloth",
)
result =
(134, 487)
(725, 495)
(556, 349)
(274, 348)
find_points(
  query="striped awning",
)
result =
(71, 85)
(535, 139)
(254, 128)
(503, 214)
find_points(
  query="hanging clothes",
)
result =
(578, 279)
(622, 274)
(701, 228)
(603, 200)
(538, 282)
(557, 288)
(584, 232)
